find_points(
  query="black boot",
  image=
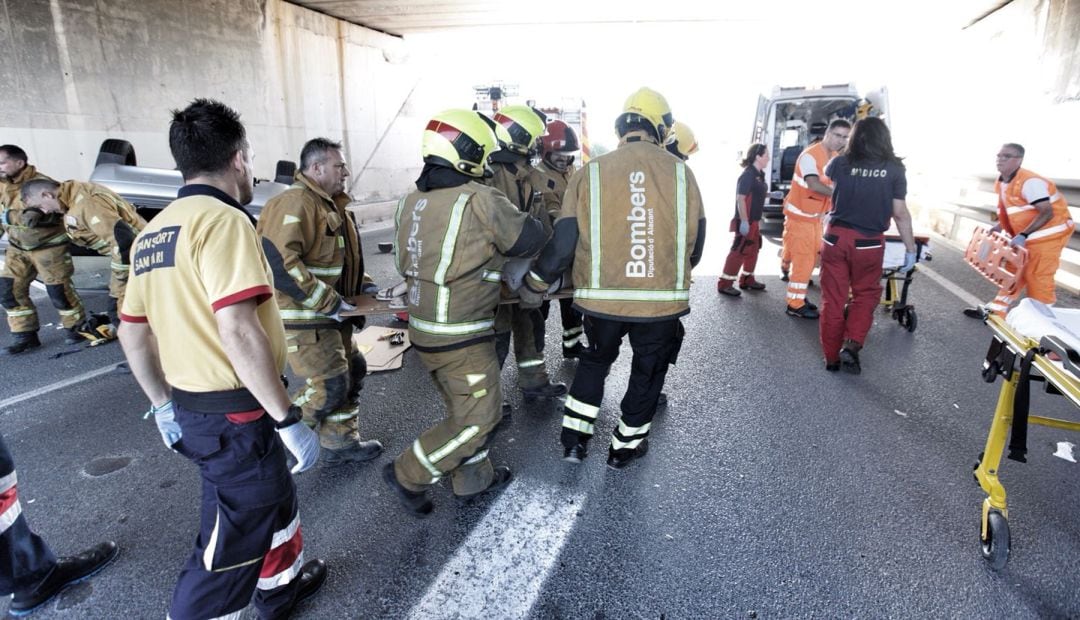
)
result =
(24, 341)
(73, 337)
(68, 571)
(547, 390)
(416, 502)
(617, 459)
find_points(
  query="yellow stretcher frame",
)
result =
(994, 532)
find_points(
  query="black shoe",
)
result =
(849, 361)
(810, 304)
(803, 312)
(730, 291)
(502, 477)
(415, 502)
(311, 579)
(73, 337)
(575, 453)
(832, 366)
(507, 410)
(617, 459)
(68, 571)
(362, 451)
(548, 390)
(24, 341)
(975, 313)
(785, 275)
(661, 401)
(753, 285)
(573, 352)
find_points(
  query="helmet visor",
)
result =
(469, 150)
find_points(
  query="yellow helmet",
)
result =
(645, 103)
(517, 127)
(680, 141)
(458, 139)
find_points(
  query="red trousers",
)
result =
(743, 254)
(850, 262)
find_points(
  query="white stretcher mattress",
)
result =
(1035, 319)
(895, 250)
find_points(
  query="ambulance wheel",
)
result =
(995, 549)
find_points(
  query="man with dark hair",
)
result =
(806, 203)
(639, 285)
(311, 241)
(1035, 215)
(96, 218)
(205, 342)
(28, 568)
(37, 247)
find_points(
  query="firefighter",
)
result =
(750, 192)
(869, 191)
(680, 141)
(205, 341)
(558, 149)
(311, 241)
(96, 218)
(454, 235)
(33, 251)
(517, 128)
(28, 568)
(806, 203)
(633, 225)
(1035, 216)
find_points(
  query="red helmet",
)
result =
(560, 137)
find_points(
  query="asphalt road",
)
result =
(772, 490)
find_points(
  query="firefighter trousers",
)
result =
(850, 262)
(250, 541)
(655, 346)
(25, 559)
(743, 255)
(54, 266)
(333, 370)
(1044, 258)
(527, 326)
(468, 381)
(571, 324)
(802, 240)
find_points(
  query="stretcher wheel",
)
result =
(906, 317)
(995, 549)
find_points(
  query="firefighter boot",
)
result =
(500, 479)
(416, 502)
(341, 444)
(544, 390)
(749, 282)
(24, 341)
(617, 459)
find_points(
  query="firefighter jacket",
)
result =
(633, 225)
(311, 243)
(92, 215)
(1016, 206)
(451, 245)
(553, 186)
(42, 236)
(802, 203)
(523, 184)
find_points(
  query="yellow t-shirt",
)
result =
(197, 256)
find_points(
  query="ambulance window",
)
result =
(790, 137)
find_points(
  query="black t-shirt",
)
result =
(752, 185)
(863, 193)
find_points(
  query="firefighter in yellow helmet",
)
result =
(680, 141)
(517, 129)
(454, 235)
(642, 207)
(97, 219)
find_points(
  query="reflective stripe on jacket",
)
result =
(1016, 212)
(801, 202)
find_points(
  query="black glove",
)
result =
(32, 217)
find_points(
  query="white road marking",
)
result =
(59, 385)
(950, 286)
(1065, 451)
(500, 568)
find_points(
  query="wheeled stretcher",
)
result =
(1035, 343)
(898, 282)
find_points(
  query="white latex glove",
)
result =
(303, 443)
(744, 227)
(1019, 241)
(166, 423)
(344, 306)
(777, 194)
(996, 228)
(909, 261)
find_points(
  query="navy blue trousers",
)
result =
(249, 541)
(25, 559)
